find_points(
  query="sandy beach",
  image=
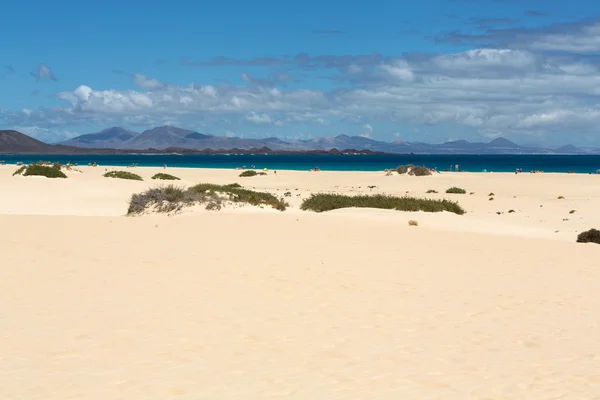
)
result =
(253, 303)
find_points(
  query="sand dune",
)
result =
(349, 304)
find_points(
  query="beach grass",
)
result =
(248, 173)
(123, 175)
(327, 202)
(40, 170)
(456, 190)
(431, 191)
(414, 170)
(165, 177)
(173, 198)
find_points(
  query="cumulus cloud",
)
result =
(486, 90)
(43, 72)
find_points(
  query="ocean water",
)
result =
(469, 163)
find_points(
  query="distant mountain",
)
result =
(169, 138)
(16, 142)
(111, 138)
(162, 137)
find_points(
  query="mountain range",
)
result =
(173, 139)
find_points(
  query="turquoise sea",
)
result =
(469, 163)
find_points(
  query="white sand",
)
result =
(257, 304)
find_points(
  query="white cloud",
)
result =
(480, 90)
(259, 118)
(146, 82)
(367, 131)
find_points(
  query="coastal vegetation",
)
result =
(456, 190)
(172, 198)
(248, 173)
(431, 191)
(561, 197)
(165, 177)
(123, 175)
(414, 170)
(327, 202)
(412, 222)
(591, 236)
(40, 170)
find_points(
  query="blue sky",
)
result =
(432, 70)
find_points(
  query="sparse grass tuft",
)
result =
(572, 212)
(491, 199)
(491, 194)
(511, 211)
(327, 202)
(20, 170)
(248, 173)
(57, 166)
(561, 197)
(40, 170)
(431, 191)
(165, 177)
(123, 175)
(456, 190)
(412, 222)
(591, 236)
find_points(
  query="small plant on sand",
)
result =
(511, 211)
(491, 194)
(431, 191)
(248, 173)
(456, 190)
(591, 236)
(572, 212)
(172, 198)
(415, 170)
(561, 197)
(491, 199)
(123, 175)
(327, 202)
(165, 177)
(20, 170)
(412, 222)
(57, 166)
(40, 170)
(472, 193)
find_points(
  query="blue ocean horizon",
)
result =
(379, 162)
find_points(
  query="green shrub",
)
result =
(456, 190)
(172, 198)
(123, 175)
(561, 197)
(431, 191)
(165, 177)
(57, 166)
(491, 194)
(511, 211)
(248, 173)
(40, 170)
(572, 212)
(328, 202)
(591, 236)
